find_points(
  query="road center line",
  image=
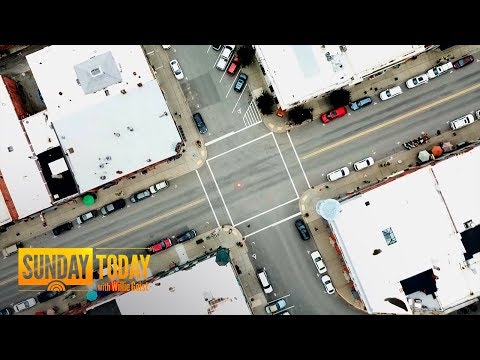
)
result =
(274, 224)
(205, 191)
(390, 122)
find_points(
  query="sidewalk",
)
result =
(352, 185)
(192, 158)
(393, 76)
(227, 237)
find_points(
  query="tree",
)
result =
(339, 98)
(265, 103)
(245, 55)
(299, 114)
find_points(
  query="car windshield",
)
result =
(317, 259)
(461, 62)
(178, 72)
(387, 93)
(415, 81)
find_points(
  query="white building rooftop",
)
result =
(107, 110)
(20, 172)
(422, 222)
(299, 73)
(40, 131)
(206, 289)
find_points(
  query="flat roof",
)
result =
(106, 108)
(19, 169)
(301, 72)
(5, 217)
(40, 131)
(205, 289)
(424, 211)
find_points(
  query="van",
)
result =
(12, 249)
(264, 281)
(461, 122)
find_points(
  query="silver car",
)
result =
(24, 305)
(327, 282)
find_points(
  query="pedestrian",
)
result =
(316, 229)
(248, 225)
(176, 113)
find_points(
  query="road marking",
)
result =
(298, 159)
(224, 72)
(151, 52)
(231, 86)
(265, 212)
(239, 98)
(221, 196)
(390, 122)
(209, 46)
(218, 57)
(274, 224)
(285, 164)
(220, 138)
(278, 298)
(239, 146)
(205, 191)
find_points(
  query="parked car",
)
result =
(159, 246)
(202, 128)
(333, 114)
(358, 104)
(338, 174)
(276, 306)
(234, 66)
(216, 47)
(62, 228)
(142, 195)
(318, 261)
(264, 281)
(302, 229)
(166, 47)
(464, 61)
(109, 185)
(390, 93)
(159, 186)
(241, 82)
(87, 216)
(439, 70)
(417, 81)
(327, 282)
(363, 164)
(12, 249)
(461, 122)
(6, 311)
(177, 70)
(48, 295)
(189, 235)
(114, 206)
(24, 305)
(477, 114)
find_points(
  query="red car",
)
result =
(234, 65)
(334, 114)
(159, 246)
(463, 62)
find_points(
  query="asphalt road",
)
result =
(253, 177)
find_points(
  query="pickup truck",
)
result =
(439, 70)
(225, 56)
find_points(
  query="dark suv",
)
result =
(114, 206)
(189, 235)
(62, 228)
(202, 128)
(302, 229)
(48, 295)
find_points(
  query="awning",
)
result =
(424, 156)
(437, 151)
(447, 146)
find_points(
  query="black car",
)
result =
(190, 234)
(6, 311)
(62, 228)
(48, 295)
(302, 229)
(202, 128)
(241, 82)
(114, 206)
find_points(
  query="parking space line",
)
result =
(224, 71)
(265, 212)
(151, 52)
(274, 224)
(231, 86)
(218, 57)
(284, 163)
(209, 46)
(239, 99)
(298, 159)
(208, 199)
(220, 193)
(240, 146)
(279, 298)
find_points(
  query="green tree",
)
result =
(245, 55)
(339, 98)
(265, 103)
(299, 114)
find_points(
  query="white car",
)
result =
(327, 282)
(390, 93)
(319, 264)
(439, 70)
(160, 186)
(166, 47)
(363, 164)
(461, 122)
(24, 305)
(177, 70)
(417, 81)
(338, 174)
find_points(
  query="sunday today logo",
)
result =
(58, 267)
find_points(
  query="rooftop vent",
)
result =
(139, 84)
(107, 92)
(343, 48)
(103, 177)
(328, 56)
(123, 91)
(367, 203)
(468, 224)
(96, 71)
(108, 158)
(10, 148)
(70, 150)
